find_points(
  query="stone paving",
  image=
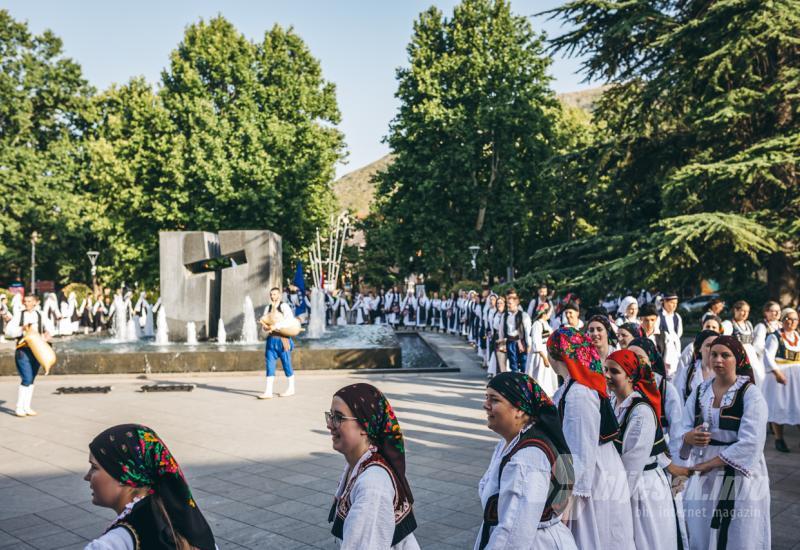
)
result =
(263, 472)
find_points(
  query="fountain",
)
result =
(222, 336)
(249, 328)
(162, 332)
(124, 331)
(191, 334)
(148, 332)
(316, 317)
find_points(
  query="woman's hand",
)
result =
(697, 437)
(780, 378)
(678, 471)
(708, 465)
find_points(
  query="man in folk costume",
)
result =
(27, 365)
(278, 347)
(671, 327)
(540, 298)
(515, 331)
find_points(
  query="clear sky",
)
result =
(359, 43)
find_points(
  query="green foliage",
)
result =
(476, 122)
(698, 140)
(81, 291)
(240, 135)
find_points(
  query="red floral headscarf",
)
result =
(642, 375)
(569, 345)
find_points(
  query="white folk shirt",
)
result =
(522, 492)
(24, 317)
(370, 522)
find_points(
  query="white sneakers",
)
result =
(24, 397)
(271, 383)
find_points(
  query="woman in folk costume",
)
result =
(497, 362)
(360, 309)
(628, 311)
(601, 513)
(627, 333)
(637, 404)
(373, 504)
(340, 309)
(435, 314)
(408, 307)
(602, 335)
(724, 424)
(423, 306)
(132, 472)
(741, 327)
(781, 387)
(671, 411)
(699, 368)
(770, 323)
(449, 313)
(86, 314)
(712, 323)
(539, 366)
(529, 480)
(487, 326)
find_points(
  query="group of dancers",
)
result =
(591, 467)
(65, 315)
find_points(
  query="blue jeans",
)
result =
(274, 351)
(516, 357)
(27, 365)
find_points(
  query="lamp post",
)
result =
(93, 254)
(34, 239)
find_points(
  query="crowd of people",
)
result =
(612, 434)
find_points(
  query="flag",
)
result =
(299, 282)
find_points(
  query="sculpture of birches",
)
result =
(325, 270)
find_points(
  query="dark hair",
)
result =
(34, 296)
(739, 304)
(573, 306)
(274, 288)
(647, 310)
(769, 304)
(717, 301)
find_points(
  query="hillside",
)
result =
(355, 190)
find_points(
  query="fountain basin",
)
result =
(349, 347)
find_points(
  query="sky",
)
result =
(360, 44)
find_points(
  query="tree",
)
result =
(700, 124)
(475, 125)
(43, 95)
(257, 127)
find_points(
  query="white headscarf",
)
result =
(623, 305)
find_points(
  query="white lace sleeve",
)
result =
(749, 447)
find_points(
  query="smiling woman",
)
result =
(372, 507)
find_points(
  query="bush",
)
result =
(81, 291)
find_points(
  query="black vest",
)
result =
(557, 496)
(146, 527)
(730, 417)
(404, 523)
(784, 353)
(659, 445)
(662, 389)
(739, 334)
(609, 427)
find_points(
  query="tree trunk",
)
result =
(782, 279)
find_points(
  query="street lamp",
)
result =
(93, 254)
(474, 249)
(34, 239)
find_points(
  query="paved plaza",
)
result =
(263, 472)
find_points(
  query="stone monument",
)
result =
(206, 277)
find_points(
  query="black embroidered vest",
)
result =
(404, 522)
(659, 445)
(609, 427)
(146, 528)
(730, 417)
(558, 494)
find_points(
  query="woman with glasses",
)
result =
(372, 507)
(781, 386)
(530, 476)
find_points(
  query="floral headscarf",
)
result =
(377, 418)
(655, 358)
(524, 393)
(642, 376)
(633, 328)
(135, 456)
(571, 346)
(743, 366)
(603, 320)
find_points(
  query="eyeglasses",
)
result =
(792, 319)
(336, 419)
